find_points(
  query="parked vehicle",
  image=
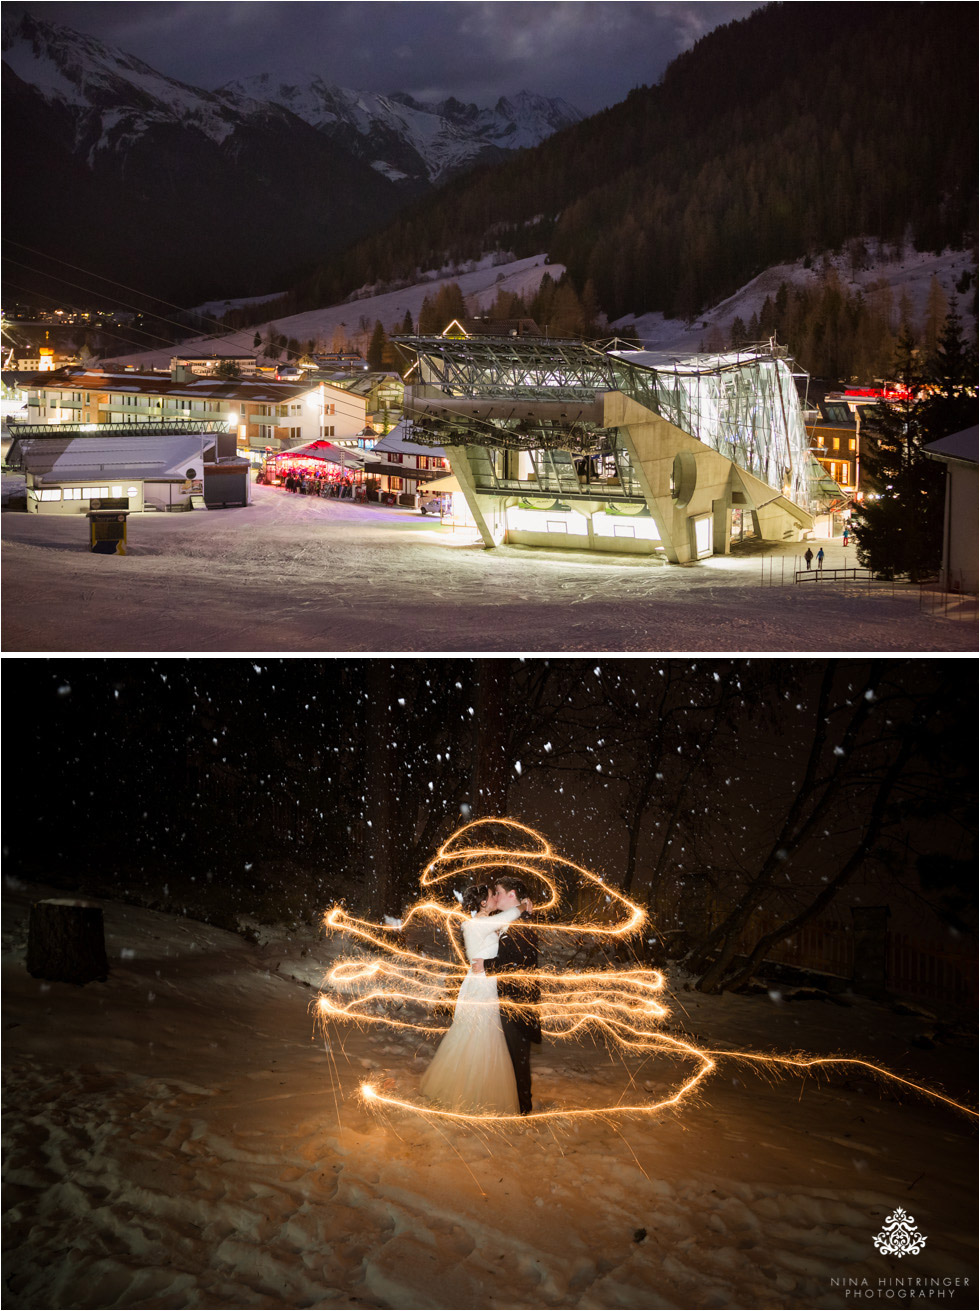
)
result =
(433, 503)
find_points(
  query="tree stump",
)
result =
(66, 941)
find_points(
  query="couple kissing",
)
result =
(483, 1063)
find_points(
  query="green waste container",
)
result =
(107, 531)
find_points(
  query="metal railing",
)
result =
(820, 574)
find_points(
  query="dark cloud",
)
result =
(591, 53)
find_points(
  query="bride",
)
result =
(472, 1069)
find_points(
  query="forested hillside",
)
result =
(782, 134)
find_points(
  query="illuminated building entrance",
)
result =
(557, 443)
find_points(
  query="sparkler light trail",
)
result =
(399, 988)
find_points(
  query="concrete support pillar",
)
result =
(721, 526)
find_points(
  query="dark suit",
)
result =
(518, 999)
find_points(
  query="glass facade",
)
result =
(745, 406)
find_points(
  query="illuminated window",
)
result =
(51, 494)
(702, 536)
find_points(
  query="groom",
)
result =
(518, 997)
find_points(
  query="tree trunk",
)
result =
(491, 772)
(66, 941)
(381, 784)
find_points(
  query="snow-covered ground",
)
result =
(354, 320)
(910, 274)
(179, 1136)
(295, 573)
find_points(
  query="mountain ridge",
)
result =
(150, 181)
(409, 139)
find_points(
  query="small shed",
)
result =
(68, 473)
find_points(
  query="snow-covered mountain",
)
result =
(152, 182)
(110, 165)
(102, 86)
(408, 139)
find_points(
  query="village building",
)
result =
(402, 467)
(43, 359)
(265, 415)
(206, 366)
(384, 396)
(559, 444)
(833, 434)
(958, 453)
(69, 469)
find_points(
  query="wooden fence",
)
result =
(932, 969)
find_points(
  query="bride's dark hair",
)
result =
(474, 897)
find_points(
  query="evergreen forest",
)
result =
(794, 131)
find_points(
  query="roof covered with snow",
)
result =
(161, 384)
(72, 459)
(959, 446)
(397, 441)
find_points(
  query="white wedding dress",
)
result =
(472, 1070)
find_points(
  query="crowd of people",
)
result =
(311, 482)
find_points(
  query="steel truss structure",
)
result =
(541, 396)
(179, 427)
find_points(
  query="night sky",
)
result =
(591, 54)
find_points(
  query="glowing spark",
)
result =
(622, 1005)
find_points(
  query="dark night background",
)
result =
(734, 797)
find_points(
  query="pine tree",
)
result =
(950, 404)
(428, 322)
(937, 307)
(898, 526)
(449, 305)
(376, 348)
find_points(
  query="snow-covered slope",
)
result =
(406, 138)
(353, 320)
(908, 273)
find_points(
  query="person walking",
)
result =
(808, 557)
(847, 533)
(820, 558)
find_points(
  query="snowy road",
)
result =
(177, 1137)
(298, 574)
